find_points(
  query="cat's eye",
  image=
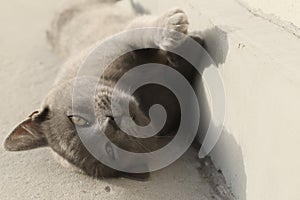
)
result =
(79, 121)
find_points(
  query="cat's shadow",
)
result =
(215, 44)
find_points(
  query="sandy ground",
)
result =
(27, 70)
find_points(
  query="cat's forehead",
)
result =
(107, 96)
(109, 93)
(80, 96)
(62, 97)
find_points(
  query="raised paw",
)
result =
(174, 24)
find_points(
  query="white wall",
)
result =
(258, 151)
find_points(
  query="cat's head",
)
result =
(63, 121)
(56, 125)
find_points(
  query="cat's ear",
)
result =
(28, 134)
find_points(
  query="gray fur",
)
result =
(51, 125)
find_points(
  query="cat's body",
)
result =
(54, 124)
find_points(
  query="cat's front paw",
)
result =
(174, 26)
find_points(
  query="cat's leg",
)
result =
(166, 31)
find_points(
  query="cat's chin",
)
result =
(65, 163)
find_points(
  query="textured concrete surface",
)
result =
(27, 70)
(287, 10)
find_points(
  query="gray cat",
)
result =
(54, 124)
